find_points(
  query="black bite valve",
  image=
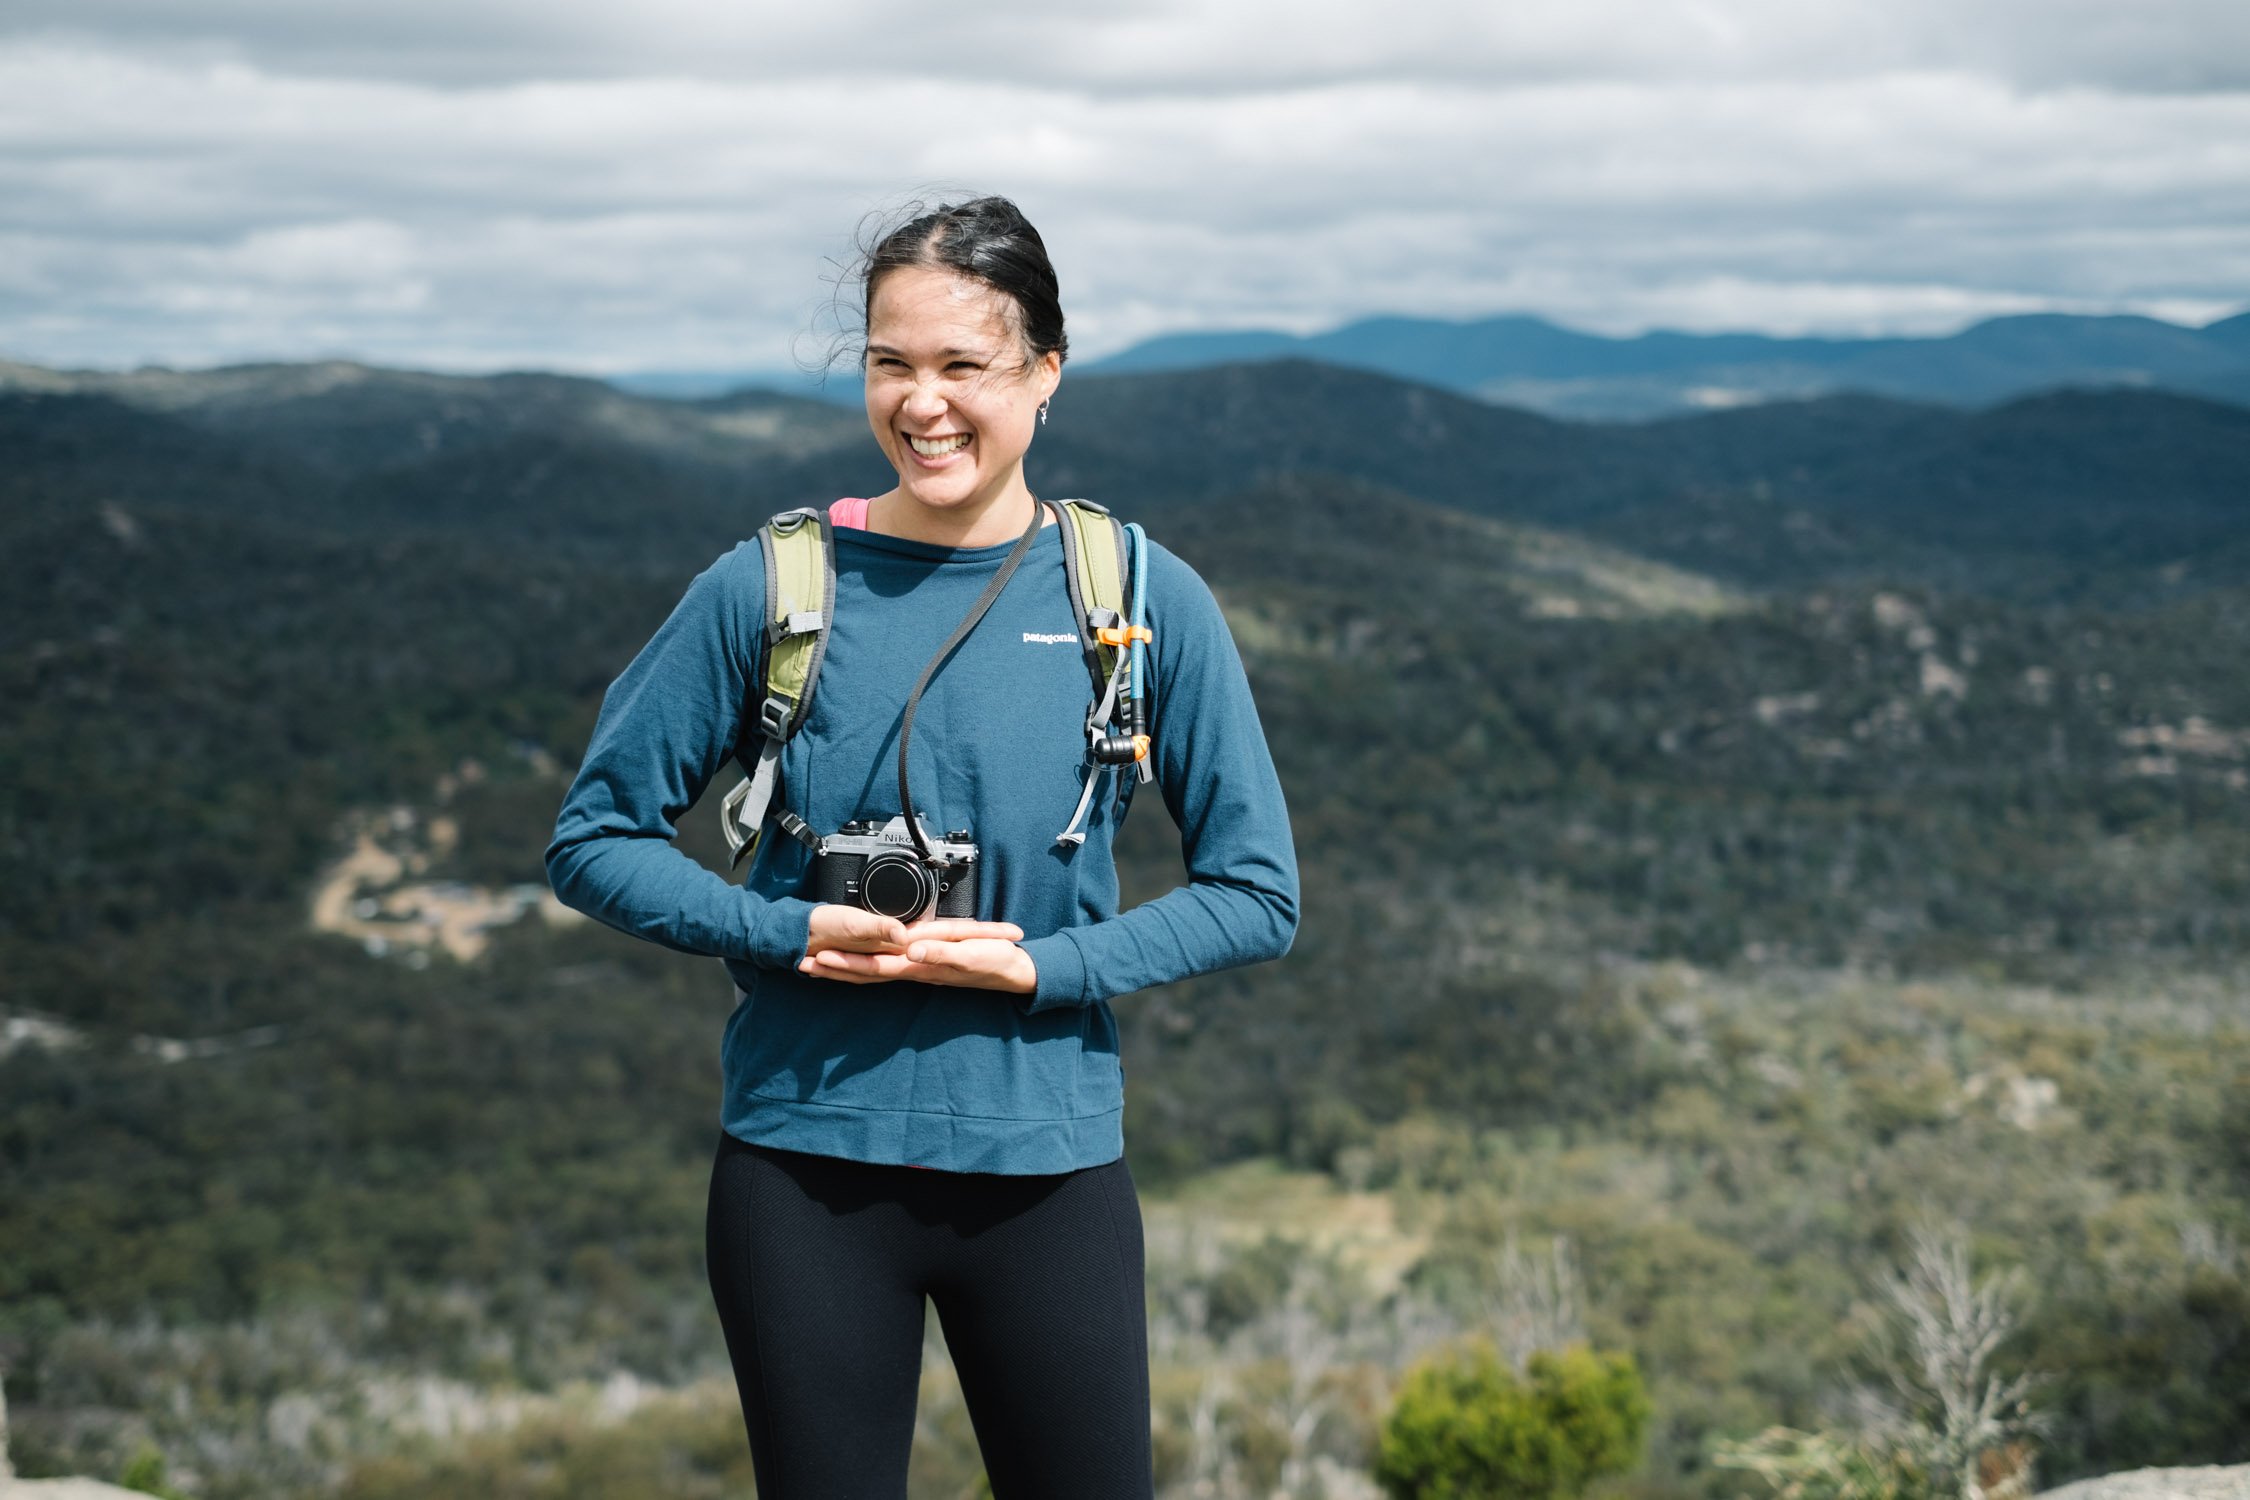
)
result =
(1116, 750)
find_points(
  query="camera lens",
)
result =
(896, 885)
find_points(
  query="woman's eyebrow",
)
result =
(887, 349)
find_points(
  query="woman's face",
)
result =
(949, 393)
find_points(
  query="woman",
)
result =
(932, 1108)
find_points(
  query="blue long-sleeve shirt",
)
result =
(907, 1072)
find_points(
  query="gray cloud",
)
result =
(482, 185)
(2146, 46)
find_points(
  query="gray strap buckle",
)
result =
(797, 622)
(742, 816)
(741, 828)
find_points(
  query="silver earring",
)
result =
(1042, 413)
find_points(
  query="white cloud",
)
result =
(567, 184)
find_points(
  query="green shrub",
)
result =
(1465, 1427)
(144, 1471)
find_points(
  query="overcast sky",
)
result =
(581, 184)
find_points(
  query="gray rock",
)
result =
(2212, 1482)
(12, 1488)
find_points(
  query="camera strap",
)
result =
(960, 634)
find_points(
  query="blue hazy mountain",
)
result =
(1542, 366)
(839, 387)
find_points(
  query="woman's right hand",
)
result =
(852, 929)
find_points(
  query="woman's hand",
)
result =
(859, 947)
(852, 929)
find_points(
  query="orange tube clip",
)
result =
(1118, 635)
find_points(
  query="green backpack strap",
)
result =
(1095, 553)
(1094, 559)
(800, 557)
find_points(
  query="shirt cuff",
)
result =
(1062, 972)
(783, 931)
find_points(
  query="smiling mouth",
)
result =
(938, 447)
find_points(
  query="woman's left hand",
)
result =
(933, 956)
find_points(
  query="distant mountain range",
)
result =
(1529, 362)
(1541, 366)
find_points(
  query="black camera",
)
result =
(880, 870)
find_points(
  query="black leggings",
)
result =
(819, 1267)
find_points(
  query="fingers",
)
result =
(845, 961)
(875, 930)
(984, 964)
(961, 929)
(819, 970)
(975, 954)
(854, 968)
(837, 926)
(835, 963)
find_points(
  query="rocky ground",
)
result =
(2213, 1482)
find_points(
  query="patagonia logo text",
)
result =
(1051, 640)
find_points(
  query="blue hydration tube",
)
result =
(1138, 680)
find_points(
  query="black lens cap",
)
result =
(894, 885)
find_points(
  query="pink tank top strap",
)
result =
(850, 511)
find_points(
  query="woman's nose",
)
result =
(923, 402)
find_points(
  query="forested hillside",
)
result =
(1728, 841)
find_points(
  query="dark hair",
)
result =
(985, 239)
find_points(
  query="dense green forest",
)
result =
(1730, 845)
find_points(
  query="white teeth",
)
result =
(939, 447)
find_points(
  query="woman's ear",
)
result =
(1047, 374)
